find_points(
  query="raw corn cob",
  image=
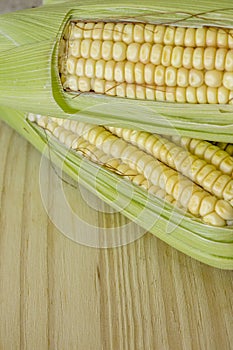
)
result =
(148, 61)
(151, 159)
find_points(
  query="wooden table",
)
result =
(59, 295)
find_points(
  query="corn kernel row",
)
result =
(214, 154)
(139, 73)
(202, 94)
(208, 58)
(150, 33)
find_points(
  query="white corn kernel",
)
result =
(117, 32)
(77, 31)
(189, 39)
(97, 32)
(131, 91)
(209, 58)
(138, 33)
(188, 57)
(149, 73)
(87, 32)
(133, 52)
(145, 51)
(159, 76)
(119, 72)
(75, 48)
(223, 95)
(99, 86)
(169, 36)
(86, 48)
(119, 51)
(129, 72)
(127, 35)
(107, 50)
(149, 33)
(229, 61)
(96, 49)
(171, 76)
(108, 31)
(71, 64)
(222, 38)
(198, 58)
(211, 37)
(100, 69)
(228, 80)
(196, 78)
(84, 84)
(179, 36)
(166, 56)
(220, 59)
(80, 67)
(109, 70)
(177, 54)
(159, 34)
(110, 88)
(156, 54)
(200, 37)
(121, 90)
(182, 77)
(90, 68)
(213, 78)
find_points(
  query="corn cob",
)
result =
(65, 132)
(146, 61)
(148, 166)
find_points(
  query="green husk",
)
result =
(211, 245)
(29, 78)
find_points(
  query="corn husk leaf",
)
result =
(29, 79)
(211, 245)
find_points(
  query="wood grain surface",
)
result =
(57, 294)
